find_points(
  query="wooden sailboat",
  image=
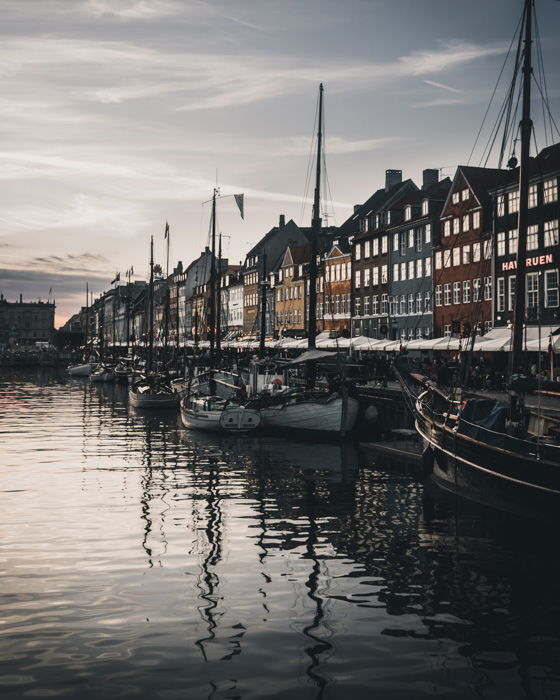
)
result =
(481, 448)
(307, 410)
(152, 390)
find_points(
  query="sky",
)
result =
(119, 115)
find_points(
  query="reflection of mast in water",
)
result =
(147, 479)
(319, 646)
(208, 580)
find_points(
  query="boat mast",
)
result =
(151, 308)
(219, 299)
(263, 305)
(315, 231)
(526, 127)
(212, 309)
(86, 334)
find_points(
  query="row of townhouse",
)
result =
(410, 262)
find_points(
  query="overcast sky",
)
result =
(118, 115)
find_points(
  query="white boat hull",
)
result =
(148, 400)
(231, 420)
(104, 377)
(83, 370)
(325, 417)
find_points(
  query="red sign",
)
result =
(529, 262)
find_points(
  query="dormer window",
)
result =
(425, 207)
(407, 212)
(388, 219)
(465, 194)
(455, 197)
(377, 220)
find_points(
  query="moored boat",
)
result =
(218, 414)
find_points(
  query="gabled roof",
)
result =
(479, 180)
(547, 161)
(298, 254)
(380, 200)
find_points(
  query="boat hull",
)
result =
(230, 420)
(328, 417)
(148, 400)
(83, 370)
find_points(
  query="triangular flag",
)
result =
(239, 202)
(166, 234)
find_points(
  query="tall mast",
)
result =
(86, 334)
(151, 308)
(219, 299)
(526, 126)
(263, 305)
(315, 231)
(212, 309)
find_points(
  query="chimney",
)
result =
(430, 177)
(282, 222)
(357, 208)
(392, 177)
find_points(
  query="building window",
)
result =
(358, 251)
(500, 294)
(466, 254)
(427, 267)
(419, 297)
(427, 301)
(375, 304)
(466, 220)
(532, 296)
(511, 292)
(366, 306)
(366, 249)
(383, 274)
(358, 279)
(466, 291)
(551, 289)
(447, 258)
(395, 242)
(456, 256)
(465, 195)
(512, 241)
(384, 304)
(428, 233)
(532, 196)
(513, 202)
(487, 288)
(456, 292)
(447, 330)
(551, 233)
(403, 272)
(455, 197)
(384, 244)
(487, 326)
(439, 294)
(375, 247)
(402, 308)
(476, 289)
(456, 225)
(418, 239)
(393, 305)
(411, 269)
(403, 243)
(487, 249)
(408, 213)
(357, 306)
(501, 243)
(367, 272)
(425, 207)
(550, 191)
(375, 276)
(447, 294)
(411, 303)
(447, 228)
(532, 237)
(419, 268)
(500, 205)
(396, 272)
(476, 220)
(411, 238)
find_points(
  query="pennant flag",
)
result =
(166, 234)
(239, 202)
(117, 278)
(132, 270)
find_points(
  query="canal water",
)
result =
(141, 560)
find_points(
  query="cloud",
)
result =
(134, 9)
(442, 86)
(441, 102)
(93, 264)
(451, 54)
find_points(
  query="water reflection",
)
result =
(144, 559)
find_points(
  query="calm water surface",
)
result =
(141, 560)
